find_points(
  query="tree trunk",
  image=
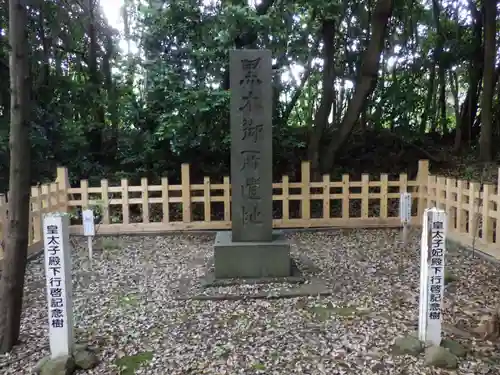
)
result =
(454, 90)
(111, 132)
(95, 134)
(295, 97)
(434, 107)
(16, 243)
(485, 140)
(365, 82)
(443, 120)
(428, 100)
(438, 52)
(395, 83)
(496, 105)
(470, 105)
(325, 106)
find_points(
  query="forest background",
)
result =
(368, 86)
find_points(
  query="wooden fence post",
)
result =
(384, 190)
(326, 196)
(286, 199)
(46, 201)
(145, 200)
(440, 190)
(62, 180)
(346, 191)
(125, 206)
(105, 201)
(227, 199)
(422, 179)
(37, 214)
(461, 212)
(497, 197)
(365, 195)
(207, 206)
(186, 193)
(473, 212)
(451, 198)
(305, 183)
(165, 200)
(487, 228)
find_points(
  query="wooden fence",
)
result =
(472, 207)
(206, 206)
(367, 202)
(44, 198)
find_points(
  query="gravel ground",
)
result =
(126, 306)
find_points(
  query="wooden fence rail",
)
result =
(368, 202)
(156, 208)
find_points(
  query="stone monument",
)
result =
(251, 249)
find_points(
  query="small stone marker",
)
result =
(89, 230)
(59, 290)
(433, 249)
(405, 214)
(251, 249)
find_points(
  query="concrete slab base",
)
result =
(251, 259)
(209, 280)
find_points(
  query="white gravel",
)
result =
(126, 306)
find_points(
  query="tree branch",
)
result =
(298, 91)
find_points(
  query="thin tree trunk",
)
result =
(443, 121)
(485, 140)
(298, 91)
(438, 52)
(468, 112)
(428, 99)
(325, 107)
(366, 80)
(112, 132)
(434, 108)
(454, 90)
(16, 244)
(95, 133)
(395, 83)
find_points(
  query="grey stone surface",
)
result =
(454, 347)
(64, 365)
(408, 345)
(82, 358)
(251, 145)
(280, 294)
(85, 359)
(209, 280)
(251, 249)
(233, 259)
(38, 367)
(78, 347)
(313, 287)
(437, 356)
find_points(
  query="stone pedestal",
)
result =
(251, 259)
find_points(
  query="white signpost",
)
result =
(89, 230)
(58, 275)
(405, 214)
(432, 253)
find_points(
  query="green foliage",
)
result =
(105, 113)
(129, 364)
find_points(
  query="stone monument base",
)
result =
(251, 259)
